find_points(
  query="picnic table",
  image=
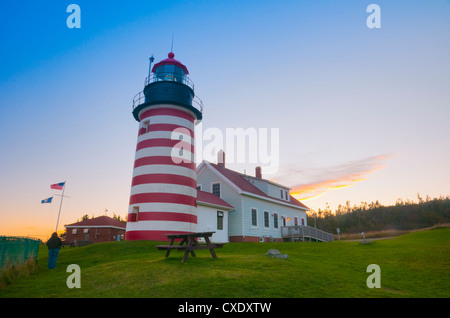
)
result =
(189, 243)
(71, 244)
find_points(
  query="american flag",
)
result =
(57, 186)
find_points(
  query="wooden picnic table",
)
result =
(189, 244)
(71, 244)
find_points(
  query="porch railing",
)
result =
(305, 232)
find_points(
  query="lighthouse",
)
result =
(164, 183)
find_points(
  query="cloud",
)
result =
(318, 181)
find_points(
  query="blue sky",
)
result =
(363, 113)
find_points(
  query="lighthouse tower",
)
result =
(164, 185)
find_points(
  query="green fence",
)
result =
(16, 250)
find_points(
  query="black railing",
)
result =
(139, 98)
(198, 103)
(169, 77)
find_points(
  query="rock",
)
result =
(275, 253)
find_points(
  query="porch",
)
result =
(304, 232)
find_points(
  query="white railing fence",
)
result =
(305, 232)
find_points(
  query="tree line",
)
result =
(404, 215)
(114, 217)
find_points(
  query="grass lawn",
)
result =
(412, 265)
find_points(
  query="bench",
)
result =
(169, 247)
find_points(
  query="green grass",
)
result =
(412, 265)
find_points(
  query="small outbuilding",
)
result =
(212, 216)
(95, 230)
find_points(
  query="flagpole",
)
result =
(60, 205)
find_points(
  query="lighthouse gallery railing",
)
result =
(139, 98)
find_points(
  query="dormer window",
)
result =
(215, 189)
(284, 194)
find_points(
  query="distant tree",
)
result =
(118, 217)
(83, 218)
(404, 215)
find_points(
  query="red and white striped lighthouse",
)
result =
(164, 185)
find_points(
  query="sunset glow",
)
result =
(340, 177)
(310, 192)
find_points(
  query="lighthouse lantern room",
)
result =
(164, 183)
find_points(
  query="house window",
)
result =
(266, 219)
(281, 193)
(216, 189)
(287, 196)
(199, 187)
(219, 220)
(275, 220)
(74, 231)
(295, 221)
(86, 231)
(303, 221)
(254, 217)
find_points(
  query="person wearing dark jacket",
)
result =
(53, 244)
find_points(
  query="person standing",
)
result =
(53, 245)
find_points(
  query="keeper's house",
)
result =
(95, 230)
(259, 207)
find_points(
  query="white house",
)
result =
(258, 207)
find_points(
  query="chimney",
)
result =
(221, 158)
(258, 173)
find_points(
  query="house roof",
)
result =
(100, 221)
(207, 198)
(244, 185)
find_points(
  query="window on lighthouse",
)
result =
(179, 75)
(170, 72)
(146, 126)
(136, 213)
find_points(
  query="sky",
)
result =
(361, 113)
